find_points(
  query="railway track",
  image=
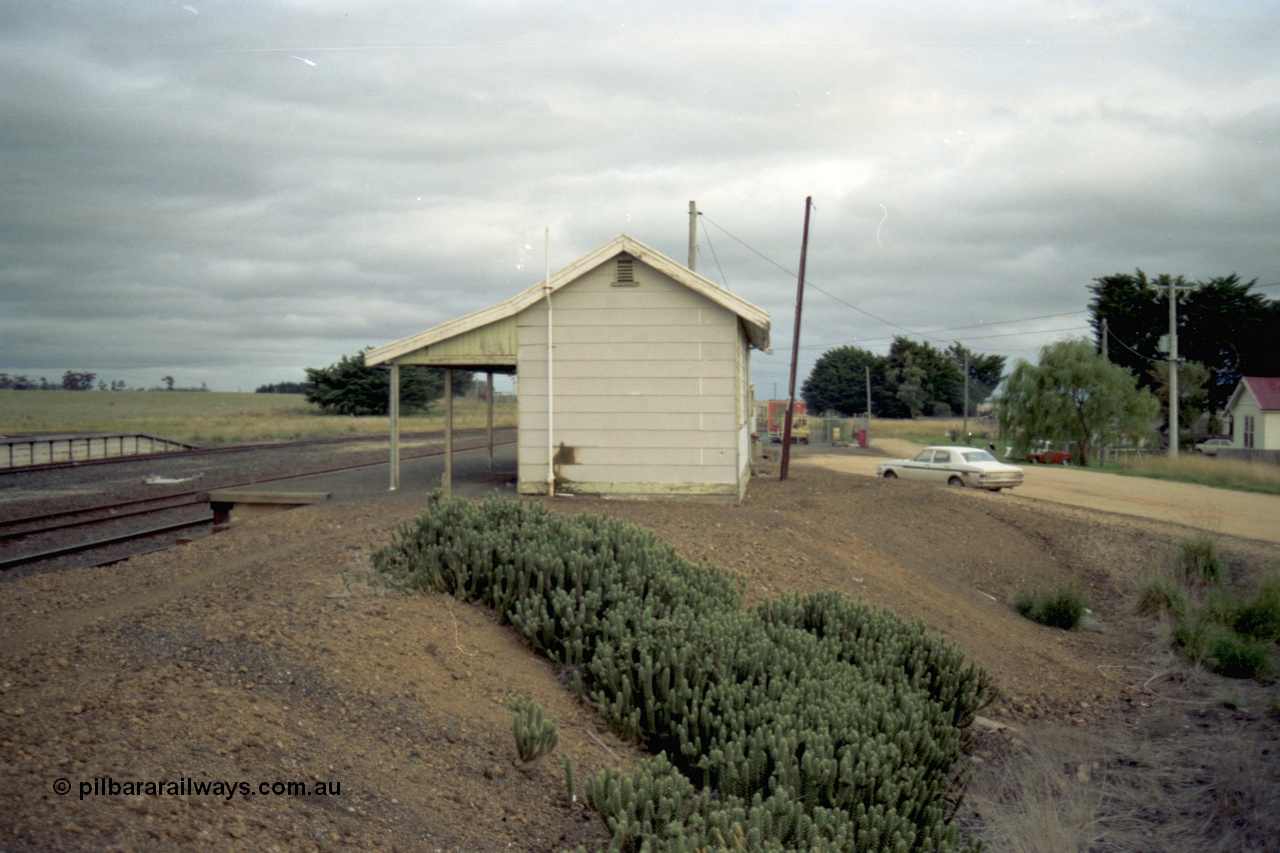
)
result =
(109, 532)
(234, 448)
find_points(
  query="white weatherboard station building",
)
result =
(645, 390)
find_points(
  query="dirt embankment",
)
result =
(263, 655)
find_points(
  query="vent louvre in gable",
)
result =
(625, 272)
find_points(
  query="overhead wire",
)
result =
(714, 256)
(927, 335)
(1112, 337)
(809, 283)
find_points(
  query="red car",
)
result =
(1049, 457)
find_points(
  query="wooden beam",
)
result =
(393, 393)
(488, 416)
(446, 482)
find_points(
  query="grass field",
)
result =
(1214, 471)
(211, 417)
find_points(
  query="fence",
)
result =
(1269, 457)
(25, 451)
(832, 430)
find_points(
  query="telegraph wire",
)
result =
(928, 335)
(810, 283)
(714, 256)
(1111, 337)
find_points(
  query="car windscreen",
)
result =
(979, 456)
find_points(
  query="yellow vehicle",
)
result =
(776, 414)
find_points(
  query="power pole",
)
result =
(1173, 367)
(795, 345)
(966, 396)
(693, 236)
(866, 368)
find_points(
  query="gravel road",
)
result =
(1219, 511)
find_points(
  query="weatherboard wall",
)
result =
(649, 380)
(1266, 425)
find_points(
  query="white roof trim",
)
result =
(754, 320)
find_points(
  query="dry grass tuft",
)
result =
(1185, 782)
(1043, 796)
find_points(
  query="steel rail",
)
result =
(6, 536)
(88, 545)
(101, 543)
(35, 519)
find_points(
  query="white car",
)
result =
(1212, 446)
(955, 466)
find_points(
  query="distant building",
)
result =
(645, 391)
(1254, 411)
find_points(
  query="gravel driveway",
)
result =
(1219, 511)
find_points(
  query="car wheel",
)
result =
(955, 481)
(890, 475)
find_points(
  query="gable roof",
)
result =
(754, 320)
(1264, 389)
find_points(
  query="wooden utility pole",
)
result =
(867, 371)
(795, 346)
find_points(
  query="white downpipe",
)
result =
(546, 281)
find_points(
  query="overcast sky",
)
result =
(229, 191)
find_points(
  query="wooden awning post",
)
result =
(393, 394)
(447, 481)
(488, 415)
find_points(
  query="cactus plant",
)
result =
(536, 736)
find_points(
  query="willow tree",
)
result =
(1075, 395)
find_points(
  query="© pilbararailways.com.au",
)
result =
(106, 786)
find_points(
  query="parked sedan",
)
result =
(1212, 446)
(956, 466)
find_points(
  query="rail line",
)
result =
(233, 448)
(182, 507)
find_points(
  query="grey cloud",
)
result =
(193, 173)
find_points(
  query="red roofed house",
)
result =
(1254, 410)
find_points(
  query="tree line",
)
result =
(80, 381)
(1225, 331)
(913, 379)
(1112, 390)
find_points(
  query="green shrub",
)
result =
(1062, 608)
(1160, 597)
(1199, 562)
(535, 735)
(1236, 656)
(810, 723)
(1230, 636)
(1258, 617)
